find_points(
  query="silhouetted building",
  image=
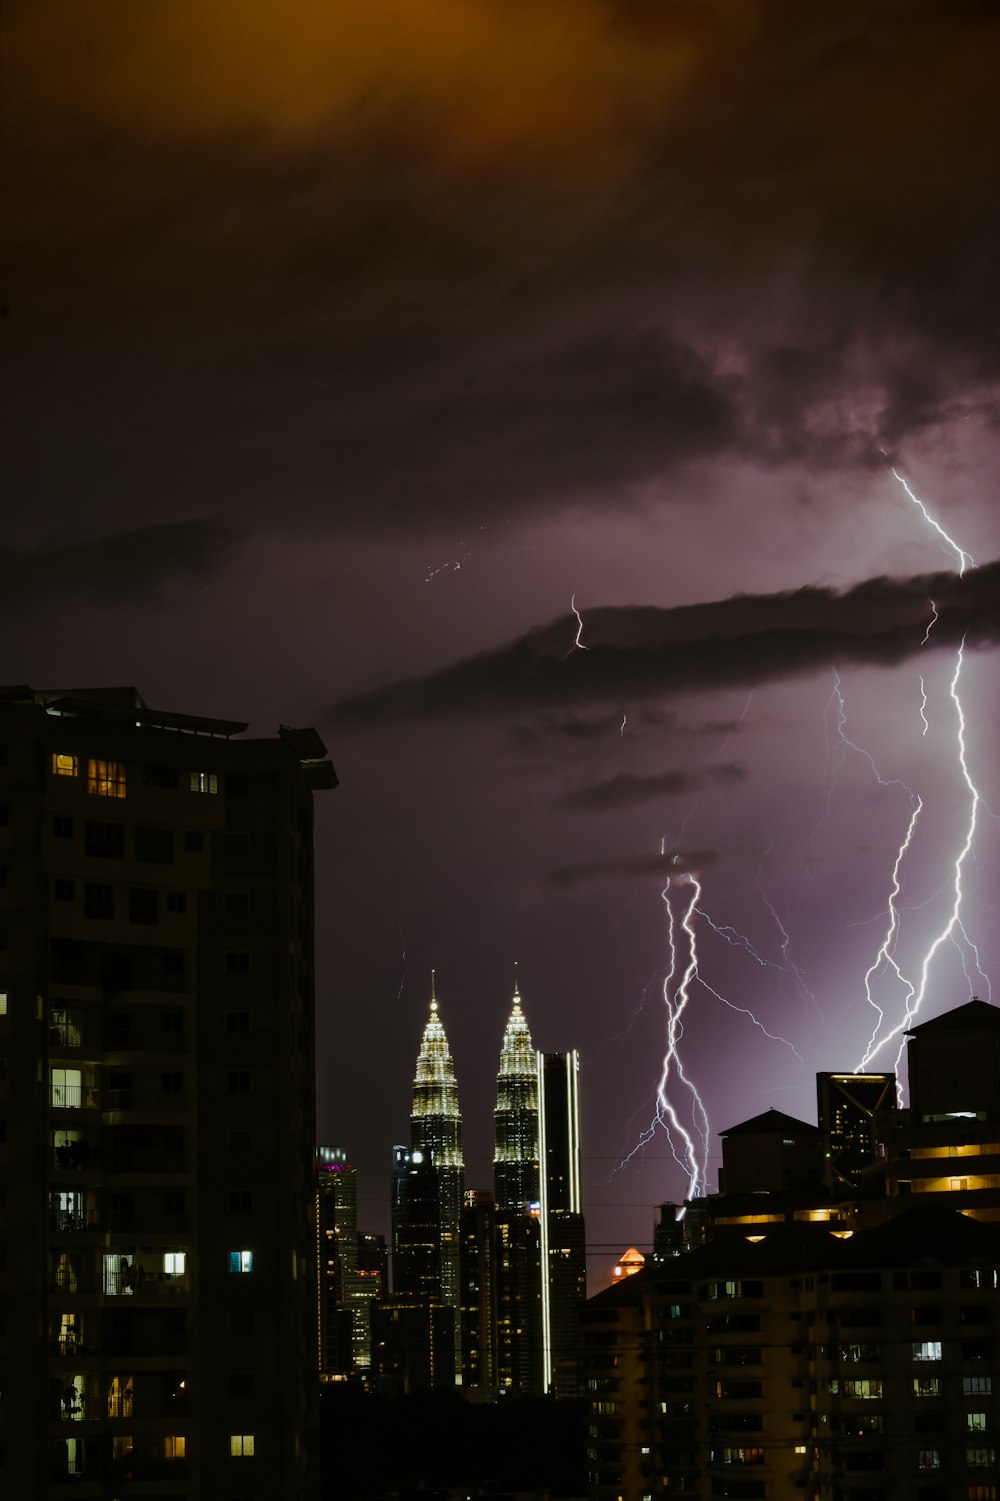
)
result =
(413, 1346)
(156, 1026)
(851, 1111)
(480, 1292)
(416, 1226)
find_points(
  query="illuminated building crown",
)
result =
(435, 1115)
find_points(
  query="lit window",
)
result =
(241, 1445)
(241, 1261)
(65, 765)
(120, 1393)
(122, 1445)
(980, 1459)
(975, 1422)
(863, 1390)
(67, 1087)
(174, 1445)
(926, 1386)
(928, 1349)
(3, 1003)
(929, 1459)
(106, 778)
(800, 1449)
(204, 781)
(977, 1386)
(174, 1263)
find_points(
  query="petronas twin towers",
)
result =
(529, 1230)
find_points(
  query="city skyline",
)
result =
(566, 409)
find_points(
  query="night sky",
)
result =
(512, 389)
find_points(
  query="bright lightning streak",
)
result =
(931, 623)
(578, 642)
(621, 728)
(954, 923)
(965, 559)
(923, 706)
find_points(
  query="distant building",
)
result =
(158, 1282)
(416, 1227)
(436, 1135)
(516, 1119)
(344, 1289)
(564, 1249)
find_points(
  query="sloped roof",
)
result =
(974, 1016)
(771, 1123)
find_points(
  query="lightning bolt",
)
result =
(931, 623)
(965, 559)
(953, 929)
(578, 642)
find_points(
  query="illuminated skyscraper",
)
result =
(515, 1157)
(564, 1254)
(436, 1132)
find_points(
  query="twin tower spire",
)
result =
(436, 1120)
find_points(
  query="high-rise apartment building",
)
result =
(157, 1273)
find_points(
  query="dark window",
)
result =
(98, 900)
(4, 815)
(144, 905)
(177, 901)
(104, 840)
(238, 1142)
(171, 1082)
(62, 826)
(237, 1021)
(161, 776)
(64, 891)
(174, 1201)
(240, 1201)
(240, 1321)
(236, 901)
(172, 1020)
(238, 784)
(117, 970)
(194, 842)
(237, 962)
(238, 846)
(154, 845)
(238, 1080)
(241, 1384)
(3, 875)
(173, 961)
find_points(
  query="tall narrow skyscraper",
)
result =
(564, 1252)
(436, 1132)
(515, 1155)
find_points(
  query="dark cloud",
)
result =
(322, 277)
(641, 652)
(625, 789)
(123, 566)
(549, 732)
(632, 867)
